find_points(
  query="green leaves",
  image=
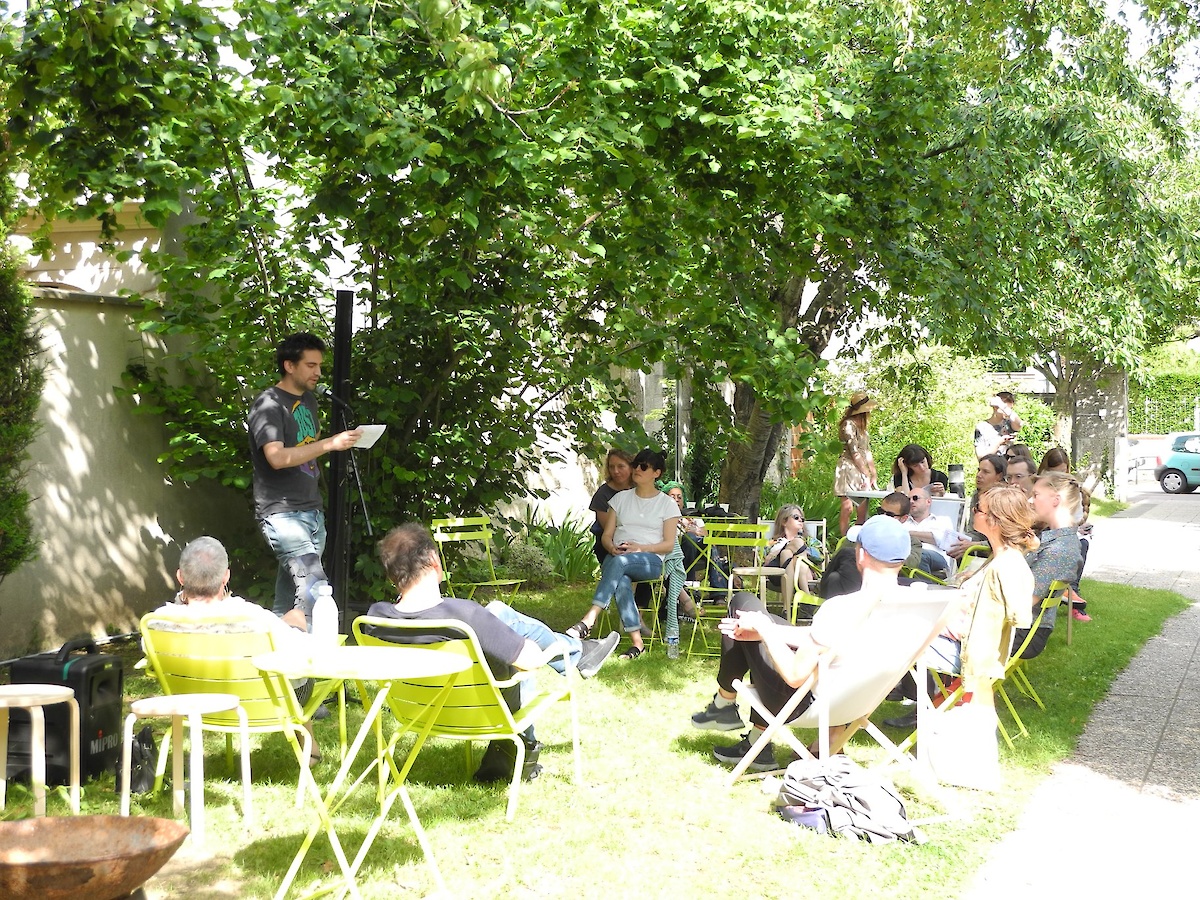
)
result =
(532, 195)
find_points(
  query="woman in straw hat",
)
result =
(856, 466)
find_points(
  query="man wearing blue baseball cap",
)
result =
(779, 656)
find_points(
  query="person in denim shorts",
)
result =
(285, 444)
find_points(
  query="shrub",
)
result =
(566, 547)
(528, 562)
(20, 394)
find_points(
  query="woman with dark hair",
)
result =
(617, 470)
(991, 472)
(1055, 460)
(913, 470)
(1021, 451)
(638, 535)
(856, 466)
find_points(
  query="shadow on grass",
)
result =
(394, 845)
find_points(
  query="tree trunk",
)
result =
(748, 460)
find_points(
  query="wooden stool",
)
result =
(186, 709)
(33, 697)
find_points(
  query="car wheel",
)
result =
(1174, 482)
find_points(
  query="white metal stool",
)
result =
(186, 709)
(33, 697)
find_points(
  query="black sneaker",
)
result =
(731, 756)
(501, 758)
(905, 721)
(714, 718)
(596, 653)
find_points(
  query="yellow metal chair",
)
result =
(719, 541)
(476, 709)
(187, 660)
(752, 538)
(1014, 668)
(1016, 663)
(450, 535)
(658, 587)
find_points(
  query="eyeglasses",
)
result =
(892, 515)
(643, 466)
(915, 497)
(798, 518)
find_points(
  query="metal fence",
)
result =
(1157, 416)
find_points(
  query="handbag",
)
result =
(143, 754)
(961, 746)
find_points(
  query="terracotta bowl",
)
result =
(83, 857)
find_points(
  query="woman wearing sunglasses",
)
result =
(789, 542)
(639, 533)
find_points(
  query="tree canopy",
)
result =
(536, 195)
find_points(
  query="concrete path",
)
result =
(1123, 814)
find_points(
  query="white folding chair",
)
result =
(852, 679)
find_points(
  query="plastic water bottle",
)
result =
(325, 616)
(673, 647)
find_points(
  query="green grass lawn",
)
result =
(654, 816)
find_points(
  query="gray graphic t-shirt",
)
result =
(280, 416)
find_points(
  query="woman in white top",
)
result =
(638, 535)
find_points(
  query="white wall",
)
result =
(110, 523)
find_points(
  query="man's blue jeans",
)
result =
(537, 631)
(298, 542)
(540, 633)
(616, 580)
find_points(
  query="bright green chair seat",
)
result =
(476, 709)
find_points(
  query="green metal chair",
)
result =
(1014, 668)
(476, 709)
(451, 535)
(1016, 663)
(187, 660)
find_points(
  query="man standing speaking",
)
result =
(285, 444)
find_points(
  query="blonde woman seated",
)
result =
(791, 551)
(997, 595)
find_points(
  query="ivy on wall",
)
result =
(1163, 402)
(20, 394)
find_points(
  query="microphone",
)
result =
(322, 390)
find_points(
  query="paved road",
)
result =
(1123, 814)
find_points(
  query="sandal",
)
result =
(580, 630)
(633, 653)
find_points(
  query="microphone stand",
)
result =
(350, 420)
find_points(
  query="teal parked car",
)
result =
(1179, 473)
